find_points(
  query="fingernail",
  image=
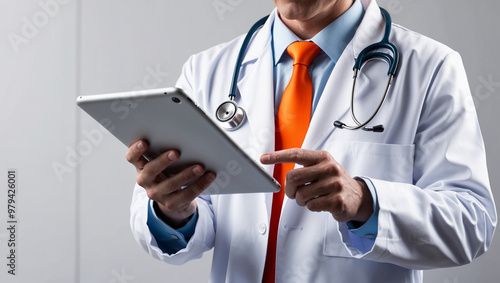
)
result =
(197, 171)
(265, 158)
(140, 146)
(210, 177)
(171, 156)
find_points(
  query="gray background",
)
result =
(73, 224)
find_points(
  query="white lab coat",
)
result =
(428, 167)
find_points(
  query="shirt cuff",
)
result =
(370, 228)
(170, 240)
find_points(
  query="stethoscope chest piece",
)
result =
(230, 116)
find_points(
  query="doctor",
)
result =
(359, 206)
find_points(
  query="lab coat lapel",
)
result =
(335, 100)
(256, 94)
(256, 89)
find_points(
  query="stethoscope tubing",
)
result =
(241, 55)
(232, 117)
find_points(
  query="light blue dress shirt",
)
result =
(332, 40)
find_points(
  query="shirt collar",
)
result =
(332, 39)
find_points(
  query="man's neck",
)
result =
(308, 28)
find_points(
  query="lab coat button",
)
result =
(369, 236)
(174, 237)
(262, 228)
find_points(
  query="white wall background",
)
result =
(73, 221)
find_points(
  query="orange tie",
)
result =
(292, 121)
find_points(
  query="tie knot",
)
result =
(303, 52)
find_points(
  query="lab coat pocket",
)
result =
(333, 243)
(390, 162)
(373, 160)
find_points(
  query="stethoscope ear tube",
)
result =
(377, 128)
(370, 53)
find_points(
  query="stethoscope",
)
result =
(232, 117)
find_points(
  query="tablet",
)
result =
(168, 119)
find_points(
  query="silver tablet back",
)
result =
(168, 119)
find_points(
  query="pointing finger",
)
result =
(294, 155)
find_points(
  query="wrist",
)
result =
(174, 222)
(366, 208)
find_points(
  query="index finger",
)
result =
(300, 156)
